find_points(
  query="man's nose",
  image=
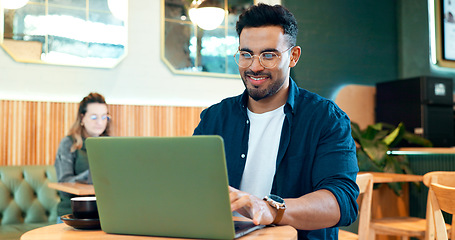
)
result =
(256, 65)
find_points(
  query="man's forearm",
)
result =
(312, 211)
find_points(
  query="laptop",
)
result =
(163, 186)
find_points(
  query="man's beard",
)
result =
(257, 94)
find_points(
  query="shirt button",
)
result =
(247, 121)
(243, 155)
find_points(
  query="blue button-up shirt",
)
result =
(316, 150)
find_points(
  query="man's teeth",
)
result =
(257, 78)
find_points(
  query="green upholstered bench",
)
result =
(26, 202)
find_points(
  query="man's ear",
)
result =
(295, 55)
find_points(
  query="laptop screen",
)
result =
(162, 186)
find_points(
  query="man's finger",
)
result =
(231, 189)
(240, 203)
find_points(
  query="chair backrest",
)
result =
(442, 177)
(25, 196)
(442, 197)
(446, 178)
(358, 102)
(365, 183)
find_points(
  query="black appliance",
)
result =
(424, 104)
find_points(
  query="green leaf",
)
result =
(395, 135)
(355, 131)
(388, 126)
(381, 135)
(400, 135)
(375, 141)
(393, 166)
(365, 163)
(412, 138)
(376, 150)
(371, 131)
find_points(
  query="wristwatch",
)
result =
(277, 203)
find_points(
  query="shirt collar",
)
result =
(293, 94)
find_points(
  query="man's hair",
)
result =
(263, 15)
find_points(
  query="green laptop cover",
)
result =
(161, 186)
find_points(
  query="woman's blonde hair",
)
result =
(76, 131)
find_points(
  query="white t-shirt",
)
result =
(265, 134)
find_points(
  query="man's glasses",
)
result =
(267, 59)
(95, 117)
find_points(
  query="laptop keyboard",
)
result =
(245, 227)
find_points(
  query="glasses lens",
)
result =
(94, 117)
(243, 59)
(268, 59)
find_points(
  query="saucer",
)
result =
(81, 223)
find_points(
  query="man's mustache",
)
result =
(260, 73)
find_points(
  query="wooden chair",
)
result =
(365, 183)
(407, 227)
(358, 102)
(441, 197)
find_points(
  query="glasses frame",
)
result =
(104, 117)
(259, 57)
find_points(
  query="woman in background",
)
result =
(71, 163)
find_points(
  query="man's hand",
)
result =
(252, 207)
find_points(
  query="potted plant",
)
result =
(374, 144)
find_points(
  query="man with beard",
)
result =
(283, 142)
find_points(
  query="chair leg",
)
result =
(371, 234)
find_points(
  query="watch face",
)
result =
(276, 198)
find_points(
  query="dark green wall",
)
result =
(345, 42)
(413, 38)
(361, 42)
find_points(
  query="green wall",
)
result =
(361, 42)
(345, 42)
(413, 38)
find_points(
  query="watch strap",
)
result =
(279, 215)
(279, 206)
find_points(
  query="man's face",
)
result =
(259, 81)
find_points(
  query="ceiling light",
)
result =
(13, 4)
(118, 8)
(207, 14)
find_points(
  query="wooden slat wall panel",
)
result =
(31, 131)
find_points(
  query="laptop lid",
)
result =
(162, 186)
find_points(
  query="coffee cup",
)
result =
(84, 207)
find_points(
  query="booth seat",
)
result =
(26, 202)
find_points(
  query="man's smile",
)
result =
(257, 79)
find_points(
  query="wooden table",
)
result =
(64, 232)
(382, 177)
(74, 188)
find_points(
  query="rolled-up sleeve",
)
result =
(336, 166)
